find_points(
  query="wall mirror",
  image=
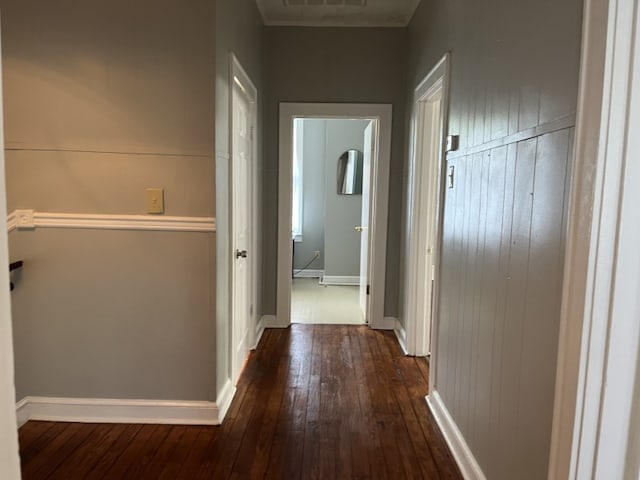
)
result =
(350, 173)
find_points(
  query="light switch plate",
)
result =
(155, 200)
(451, 172)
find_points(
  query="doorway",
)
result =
(372, 225)
(243, 113)
(330, 208)
(424, 207)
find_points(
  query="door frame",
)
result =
(598, 373)
(419, 324)
(9, 449)
(382, 113)
(238, 78)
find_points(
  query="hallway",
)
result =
(313, 402)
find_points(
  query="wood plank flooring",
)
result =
(314, 402)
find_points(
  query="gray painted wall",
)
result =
(366, 65)
(238, 29)
(514, 66)
(342, 242)
(102, 101)
(114, 314)
(313, 191)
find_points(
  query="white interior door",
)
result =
(241, 217)
(369, 151)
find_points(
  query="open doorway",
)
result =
(424, 208)
(330, 208)
(352, 253)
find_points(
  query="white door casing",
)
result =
(9, 458)
(369, 152)
(243, 114)
(596, 433)
(424, 209)
(382, 114)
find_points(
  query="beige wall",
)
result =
(514, 67)
(238, 31)
(335, 65)
(101, 101)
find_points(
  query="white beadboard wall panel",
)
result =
(503, 237)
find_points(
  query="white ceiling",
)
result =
(338, 13)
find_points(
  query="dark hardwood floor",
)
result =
(314, 402)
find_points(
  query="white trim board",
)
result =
(224, 399)
(271, 321)
(98, 410)
(309, 274)
(11, 222)
(259, 332)
(388, 323)
(597, 399)
(461, 452)
(29, 220)
(401, 335)
(340, 280)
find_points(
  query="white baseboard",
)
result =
(259, 332)
(401, 335)
(309, 274)
(271, 321)
(339, 280)
(98, 410)
(387, 323)
(467, 463)
(22, 412)
(224, 399)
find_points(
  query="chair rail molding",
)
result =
(29, 219)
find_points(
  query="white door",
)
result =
(241, 221)
(369, 152)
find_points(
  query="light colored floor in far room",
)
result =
(312, 303)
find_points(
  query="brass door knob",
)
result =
(359, 229)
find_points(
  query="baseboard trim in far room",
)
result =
(340, 280)
(98, 410)
(462, 454)
(308, 274)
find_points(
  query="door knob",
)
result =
(359, 229)
(241, 254)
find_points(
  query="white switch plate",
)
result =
(155, 200)
(24, 219)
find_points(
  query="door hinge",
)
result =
(368, 289)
